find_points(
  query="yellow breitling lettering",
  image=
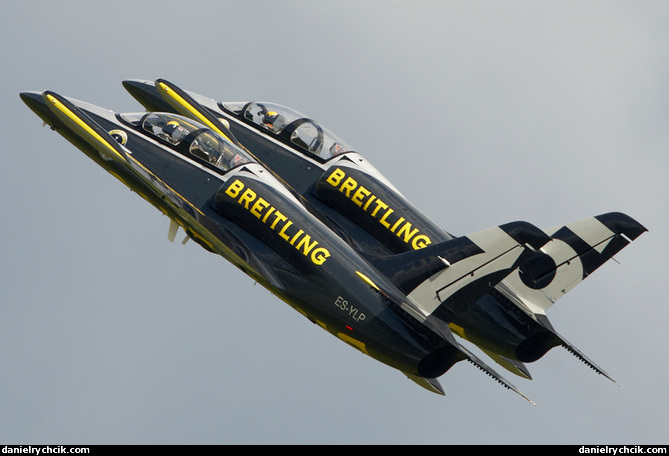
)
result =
(247, 198)
(258, 207)
(379, 210)
(269, 215)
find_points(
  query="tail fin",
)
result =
(575, 251)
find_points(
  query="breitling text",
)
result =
(377, 209)
(271, 216)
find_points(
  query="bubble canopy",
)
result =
(187, 135)
(290, 127)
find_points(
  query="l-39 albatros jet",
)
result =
(295, 208)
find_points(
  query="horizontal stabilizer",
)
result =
(461, 269)
(574, 252)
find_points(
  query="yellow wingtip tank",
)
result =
(81, 124)
(182, 103)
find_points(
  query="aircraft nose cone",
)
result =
(32, 98)
(36, 103)
(136, 85)
(146, 93)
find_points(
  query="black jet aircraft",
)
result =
(508, 322)
(294, 232)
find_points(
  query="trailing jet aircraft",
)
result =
(295, 208)
(508, 323)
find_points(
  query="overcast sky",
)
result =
(480, 112)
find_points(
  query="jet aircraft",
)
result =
(298, 210)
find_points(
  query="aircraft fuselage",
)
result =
(252, 220)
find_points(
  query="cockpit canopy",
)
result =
(291, 127)
(200, 141)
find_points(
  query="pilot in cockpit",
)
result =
(173, 132)
(273, 121)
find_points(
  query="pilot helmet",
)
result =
(271, 116)
(171, 126)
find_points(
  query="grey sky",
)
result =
(480, 112)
